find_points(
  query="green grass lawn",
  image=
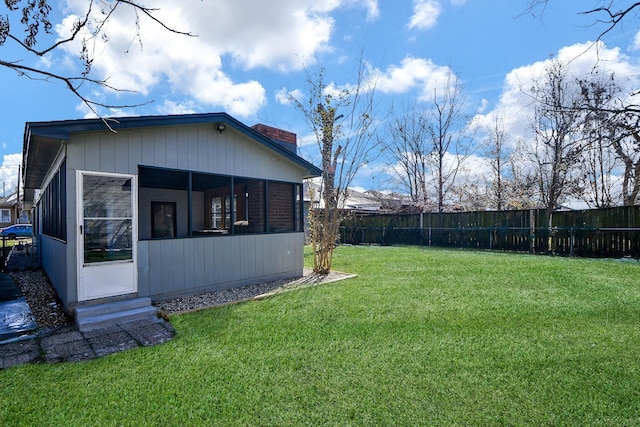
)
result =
(420, 337)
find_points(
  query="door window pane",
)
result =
(106, 197)
(107, 223)
(107, 240)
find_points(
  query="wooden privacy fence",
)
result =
(611, 232)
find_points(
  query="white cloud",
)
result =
(9, 173)
(171, 107)
(244, 34)
(283, 96)
(425, 14)
(414, 73)
(373, 11)
(636, 42)
(484, 103)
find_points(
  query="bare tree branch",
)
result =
(614, 16)
(72, 84)
(35, 16)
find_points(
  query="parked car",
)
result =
(17, 230)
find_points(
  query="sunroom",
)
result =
(163, 206)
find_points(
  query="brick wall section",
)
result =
(255, 206)
(289, 138)
(281, 207)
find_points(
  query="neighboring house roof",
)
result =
(10, 200)
(42, 140)
(361, 201)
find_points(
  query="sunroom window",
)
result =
(201, 204)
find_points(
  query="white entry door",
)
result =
(107, 235)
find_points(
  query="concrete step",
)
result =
(112, 307)
(103, 315)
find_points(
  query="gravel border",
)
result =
(42, 299)
(48, 311)
(23, 267)
(260, 290)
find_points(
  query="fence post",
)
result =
(532, 231)
(490, 238)
(571, 237)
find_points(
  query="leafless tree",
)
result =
(558, 145)
(521, 188)
(449, 131)
(608, 15)
(600, 129)
(627, 148)
(32, 18)
(343, 122)
(497, 153)
(615, 126)
(408, 149)
(428, 143)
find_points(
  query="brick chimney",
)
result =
(283, 138)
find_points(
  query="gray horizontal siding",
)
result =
(176, 267)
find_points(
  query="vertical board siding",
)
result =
(196, 148)
(54, 262)
(191, 139)
(107, 153)
(178, 263)
(174, 151)
(165, 263)
(149, 146)
(199, 261)
(134, 147)
(143, 269)
(203, 146)
(91, 153)
(162, 152)
(189, 266)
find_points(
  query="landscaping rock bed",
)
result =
(211, 299)
(47, 309)
(23, 267)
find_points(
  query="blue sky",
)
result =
(249, 51)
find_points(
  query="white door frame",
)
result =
(108, 278)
